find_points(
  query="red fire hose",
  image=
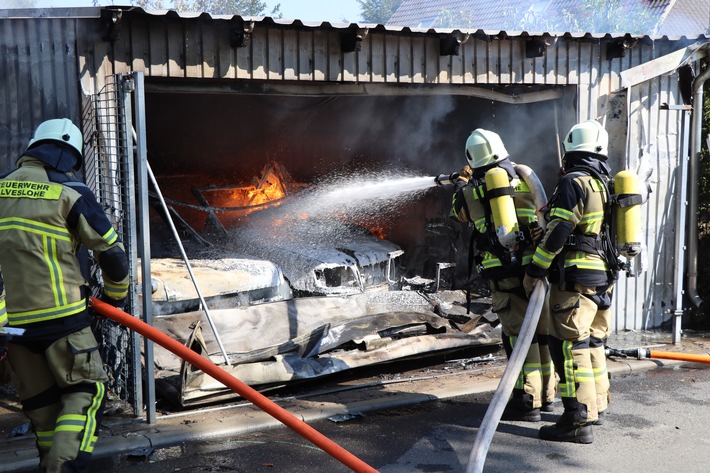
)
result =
(642, 353)
(668, 355)
(244, 390)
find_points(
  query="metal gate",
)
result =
(109, 172)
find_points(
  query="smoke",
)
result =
(398, 132)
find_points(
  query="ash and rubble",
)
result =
(273, 344)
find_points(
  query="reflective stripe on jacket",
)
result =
(576, 207)
(42, 226)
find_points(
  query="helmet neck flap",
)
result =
(61, 157)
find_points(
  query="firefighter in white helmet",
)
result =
(578, 258)
(46, 215)
(489, 177)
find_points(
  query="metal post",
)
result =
(144, 242)
(126, 85)
(680, 226)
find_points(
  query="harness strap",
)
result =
(500, 191)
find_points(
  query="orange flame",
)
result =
(378, 231)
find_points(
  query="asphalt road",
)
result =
(657, 422)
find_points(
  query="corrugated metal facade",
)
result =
(51, 64)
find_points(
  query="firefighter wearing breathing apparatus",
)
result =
(500, 208)
(46, 215)
(578, 255)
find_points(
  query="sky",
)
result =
(306, 10)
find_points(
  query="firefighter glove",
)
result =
(536, 233)
(465, 174)
(529, 284)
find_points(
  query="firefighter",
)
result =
(3, 339)
(46, 215)
(501, 263)
(576, 255)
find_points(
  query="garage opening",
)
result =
(242, 150)
(312, 221)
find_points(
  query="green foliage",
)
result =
(704, 167)
(214, 7)
(610, 16)
(378, 11)
(455, 19)
(594, 16)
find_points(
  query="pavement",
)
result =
(135, 437)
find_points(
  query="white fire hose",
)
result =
(507, 381)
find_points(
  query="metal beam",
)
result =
(334, 89)
(662, 65)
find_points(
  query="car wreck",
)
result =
(292, 296)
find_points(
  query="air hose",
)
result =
(239, 387)
(490, 421)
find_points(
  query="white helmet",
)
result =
(484, 148)
(589, 137)
(59, 129)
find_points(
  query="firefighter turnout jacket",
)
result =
(3, 311)
(573, 248)
(45, 217)
(471, 205)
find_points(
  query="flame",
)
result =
(270, 190)
(378, 231)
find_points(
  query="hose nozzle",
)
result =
(445, 179)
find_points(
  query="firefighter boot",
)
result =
(520, 408)
(572, 425)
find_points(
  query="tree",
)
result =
(378, 11)
(214, 7)
(610, 16)
(587, 16)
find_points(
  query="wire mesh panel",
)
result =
(108, 173)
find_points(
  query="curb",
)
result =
(147, 438)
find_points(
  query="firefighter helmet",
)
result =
(60, 130)
(587, 137)
(484, 148)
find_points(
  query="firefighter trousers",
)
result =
(61, 386)
(537, 377)
(580, 323)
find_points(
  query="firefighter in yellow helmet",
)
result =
(46, 215)
(501, 262)
(578, 258)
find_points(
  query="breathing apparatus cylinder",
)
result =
(500, 196)
(627, 188)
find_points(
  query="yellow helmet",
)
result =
(588, 136)
(484, 148)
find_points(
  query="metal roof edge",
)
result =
(95, 12)
(71, 12)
